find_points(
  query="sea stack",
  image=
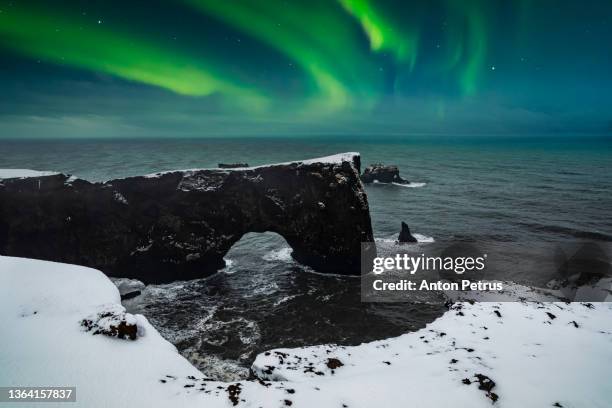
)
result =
(379, 173)
(405, 236)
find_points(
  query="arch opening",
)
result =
(256, 247)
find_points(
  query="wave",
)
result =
(284, 299)
(230, 266)
(421, 239)
(283, 255)
(405, 185)
(265, 289)
(410, 185)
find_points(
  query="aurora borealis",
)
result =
(204, 67)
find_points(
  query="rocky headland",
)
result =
(179, 224)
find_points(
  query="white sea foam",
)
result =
(406, 185)
(410, 185)
(421, 239)
(230, 266)
(284, 299)
(283, 254)
(264, 289)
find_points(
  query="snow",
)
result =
(536, 359)
(43, 344)
(24, 173)
(333, 159)
(120, 198)
(536, 353)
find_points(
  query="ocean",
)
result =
(522, 191)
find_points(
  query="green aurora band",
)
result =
(315, 36)
(401, 41)
(64, 41)
(340, 48)
(467, 41)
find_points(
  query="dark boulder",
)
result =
(379, 173)
(232, 165)
(179, 225)
(128, 288)
(405, 235)
(130, 295)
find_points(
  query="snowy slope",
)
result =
(537, 354)
(43, 344)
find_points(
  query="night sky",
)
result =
(191, 68)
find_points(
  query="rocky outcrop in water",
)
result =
(179, 224)
(232, 165)
(405, 236)
(379, 173)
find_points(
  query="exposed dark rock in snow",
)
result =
(405, 235)
(334, 363)
(486, 384)
(233, 393)
(232, 165)
(112, 322)
(382, 174)
(179, 225)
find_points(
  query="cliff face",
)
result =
(179, 225)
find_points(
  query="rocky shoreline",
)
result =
(472, 353)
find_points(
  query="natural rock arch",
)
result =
(180, 224)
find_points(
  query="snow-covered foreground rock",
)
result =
(43, 343)
(476, 355)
